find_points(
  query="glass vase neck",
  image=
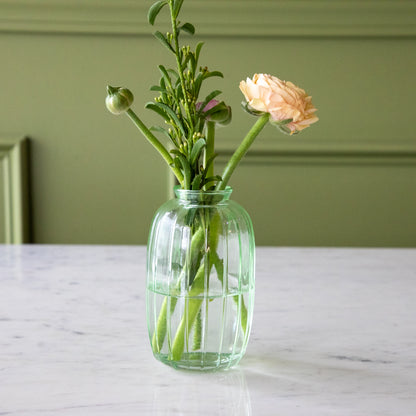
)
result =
(201, 197)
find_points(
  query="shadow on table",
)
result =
(221, 394)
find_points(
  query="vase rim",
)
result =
(200, 195)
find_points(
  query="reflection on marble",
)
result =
(334, 333)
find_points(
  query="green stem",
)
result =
(161, 327)
(193, 299)
(219, 266)
(199, 286)
(210, 147)
(191, 310)
(156, 143)
(242, 150)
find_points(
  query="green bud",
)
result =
(222, 114)
(118, 99)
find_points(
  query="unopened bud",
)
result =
(216, 111)
(118, 99)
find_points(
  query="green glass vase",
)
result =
(200, 281)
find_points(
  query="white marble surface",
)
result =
(334, 333)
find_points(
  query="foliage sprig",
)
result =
(178, 102)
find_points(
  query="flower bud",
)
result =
(223, 115)
(217, 111)
(118, 99)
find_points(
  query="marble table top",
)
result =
(334, 333)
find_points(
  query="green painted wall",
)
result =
(348, 180)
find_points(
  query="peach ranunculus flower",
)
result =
(281, 99)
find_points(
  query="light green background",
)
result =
(349, 180)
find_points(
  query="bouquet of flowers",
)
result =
(186, 141)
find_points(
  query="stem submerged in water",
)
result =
(205, 239)
(159, 334)
(191, 310)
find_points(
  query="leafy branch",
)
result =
(178, 101)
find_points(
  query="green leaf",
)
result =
(203, 76)
(163, 86)
(186, 170)
(158, 35)
(198, 51)
(197, 84)
(157, 109)
(188, 28)
(216, 178)
(161, 130)
(166, 133)
(176, 164)
(165, 75)
(208, 98)
(196, 183)
(213, 74)
(243, 313)
(157, 88)
(196, 150)
(219, 265)
(154, 11)
(192, 63)
(174, 117)
(209, 161)
(174, 73)
(177, 4)
(167, 113)
(191, 59)
(199, 126)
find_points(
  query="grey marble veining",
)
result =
(334, 333)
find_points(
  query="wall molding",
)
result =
(13, 162)
(368, 18)
(323, 152)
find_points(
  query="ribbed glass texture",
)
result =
(200, 281)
